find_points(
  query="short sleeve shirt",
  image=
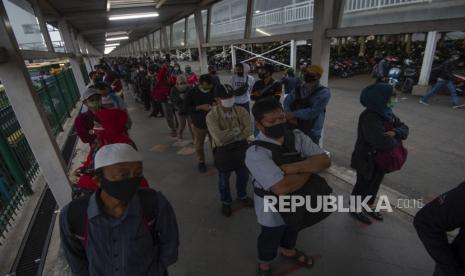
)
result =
(266, 173)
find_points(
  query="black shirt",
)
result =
(195, 97)
(272, 88)
(434, 220)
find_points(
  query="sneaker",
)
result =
(202, 167)
(226, 210)
(423, 102)
(247, 202)
(458, 106)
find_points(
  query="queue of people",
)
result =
(119, 226)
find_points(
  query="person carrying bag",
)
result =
(229, 126)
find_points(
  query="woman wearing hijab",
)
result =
(177, 96)
(378, 129)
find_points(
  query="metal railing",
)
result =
(363, 5)
(300, 12)
(18, 166)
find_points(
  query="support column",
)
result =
(293, 57)
(322, 20)
(363, 46)
(200, 41)
(428, 58)
(43, 25)
(233, 57)
(71, 48)
(26, 103)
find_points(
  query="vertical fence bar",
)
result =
(60, 92)
(48, 98)
(13, 165)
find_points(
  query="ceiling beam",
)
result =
(441, 25)
(104, 13)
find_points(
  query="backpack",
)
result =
(79, 223)
(316, 185)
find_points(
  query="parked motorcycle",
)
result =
(410, 76)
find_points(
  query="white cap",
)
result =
(114, 154)
(89, 93)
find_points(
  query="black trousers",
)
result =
(368, 187)
(271, 238)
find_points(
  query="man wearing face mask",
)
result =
(120, 229)
(229, 126)
(280, 178)
(197, 104)
(306, 106)
(242, 84)
(212, 72)
(192, 78)
(266, 86)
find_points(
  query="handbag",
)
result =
(393, 159)
(230, 157)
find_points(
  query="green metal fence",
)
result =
(18, 166)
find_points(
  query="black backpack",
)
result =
(315, 186)
(78, 220)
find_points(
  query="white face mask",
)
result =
(228, 103)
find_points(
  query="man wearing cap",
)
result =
(266, 86)
(120, 229)
(306, 107)
(229, 126)
(84, 123)
(242, 84)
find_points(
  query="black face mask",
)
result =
(240, 74)
(276, 131)
(213, 72)
(309, 78)
(262, 76)
(122, 190)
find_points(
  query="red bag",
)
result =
(391, 160)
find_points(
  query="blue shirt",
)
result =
(316, 111)
(122, 246)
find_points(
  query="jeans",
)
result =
(271, 238)
(242, 178)
(168, 110)
(183, 120)
(438, 86)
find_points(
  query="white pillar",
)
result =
(428, 58)
(70, 46)
(28, 110)
(200, 40)
(233, 57)
(322, 20)
(293, 57)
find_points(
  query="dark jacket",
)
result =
(177, 98)
(446, 70)
(194, 98)
(434, 220)
(371, 137)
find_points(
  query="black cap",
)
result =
(224, 91)
(268, 67)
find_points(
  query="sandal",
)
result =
(261, 272)
(296, 257)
